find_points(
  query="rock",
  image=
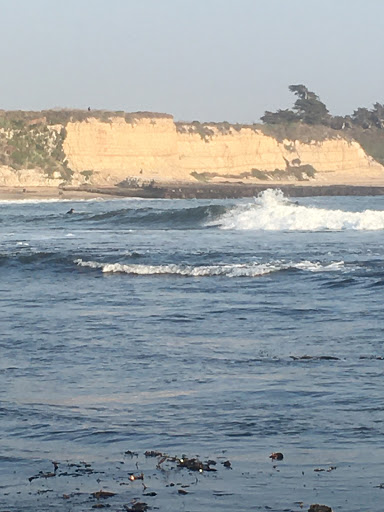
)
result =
(136, 477)
(153, 453)
(276, 456)
(132, 454)
(319, 508)
(103, 494)
(191, 464)
(136, 507)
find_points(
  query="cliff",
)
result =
(139, 149)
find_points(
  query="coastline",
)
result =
(187, 191)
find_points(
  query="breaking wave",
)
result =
(271, 211)
(227, 270)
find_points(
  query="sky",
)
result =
(206, 60)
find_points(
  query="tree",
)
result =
(302, 92)
(279, 117)
(307, 108)
(311, 111)
(378, 115)
(338, 123)
(362, 117)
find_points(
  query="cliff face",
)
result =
(139, 148)
(155, 149)
(118, 150)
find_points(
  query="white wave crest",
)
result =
(273, 212)
(227, 270)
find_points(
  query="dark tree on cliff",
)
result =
(308, 109)
(378, 115)
(362, 117)
(311, 111)
(367, 119)
(279, 117)
(340, 122)
(302, 92)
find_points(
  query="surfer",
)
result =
(71, 211)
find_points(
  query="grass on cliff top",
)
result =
(20, 118)
(281, 132)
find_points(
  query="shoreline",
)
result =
(187, 191)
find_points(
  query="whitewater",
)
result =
(218, 329)
(272, 212)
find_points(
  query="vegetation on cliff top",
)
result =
(32, 144)
(34, 140)
(310, 119)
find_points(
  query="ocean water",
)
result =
(217, 329)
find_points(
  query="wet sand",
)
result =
(39, 193)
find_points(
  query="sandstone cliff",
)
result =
(158, 149)
(142, 148)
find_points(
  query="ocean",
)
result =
(222, 330)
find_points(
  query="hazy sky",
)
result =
(210, 60)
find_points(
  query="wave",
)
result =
(226, 270)
(156, 218)
(272, 211)
(47, 259)
(35, 258)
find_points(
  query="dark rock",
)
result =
(181, 491)
(191, 464)
(153, 453)
(319, 508)
(136, 477)
(103, 494)
(132, 454)
(137, 507)
(276, 456)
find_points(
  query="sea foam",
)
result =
(226, 270)
(271, 211)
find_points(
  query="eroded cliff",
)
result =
(144, 149)
(158, 149)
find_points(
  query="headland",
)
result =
(83, 154)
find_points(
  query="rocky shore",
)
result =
(223, 191)
(185, 191)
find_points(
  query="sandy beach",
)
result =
(39, 193)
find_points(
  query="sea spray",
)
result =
(271, 211)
